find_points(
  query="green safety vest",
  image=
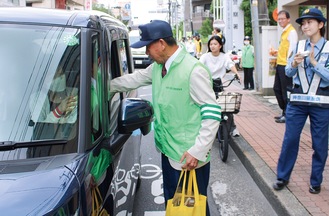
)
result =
(177, 117)
(247, 56)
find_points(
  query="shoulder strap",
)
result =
(326, 47)
(301, 71)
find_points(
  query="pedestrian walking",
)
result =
(187, 115)
(198, 45)
(190, 46)
(247, 63)
(288, 42)
(218, 32)
(218, 63)
(309, 99)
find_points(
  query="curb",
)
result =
(283, 202)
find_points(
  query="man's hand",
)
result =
(191, 162)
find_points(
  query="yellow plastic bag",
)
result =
(97, 201)
(187, 202)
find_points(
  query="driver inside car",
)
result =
(58, 105)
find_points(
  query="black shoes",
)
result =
(281, 120)
(315, 189)
(245, 88)
(278, 117)
(279, 184)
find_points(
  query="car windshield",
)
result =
(39, 83)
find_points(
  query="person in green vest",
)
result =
(187, 115)
(247, 63)
(288, 43)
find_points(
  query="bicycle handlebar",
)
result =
(231, 80)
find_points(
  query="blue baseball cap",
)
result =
(152, 31)
(311, 13)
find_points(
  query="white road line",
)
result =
(155, 213)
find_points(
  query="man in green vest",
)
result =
(187, 115)
(288, 43)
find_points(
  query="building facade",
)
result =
(59, 4)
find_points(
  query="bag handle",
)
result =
(192, 182)
(182, 198)
(195, 187)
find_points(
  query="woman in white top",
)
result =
(218, 63)
(216, 60)
(190, 46)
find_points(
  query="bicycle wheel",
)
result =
(224, 139)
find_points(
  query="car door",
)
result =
(127, 166)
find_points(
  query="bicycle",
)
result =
(230, 104)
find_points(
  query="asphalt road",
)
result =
(231, 191)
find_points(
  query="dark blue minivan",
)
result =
(63, 136)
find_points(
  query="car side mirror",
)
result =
(135, 113)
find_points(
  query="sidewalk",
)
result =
(259, 146)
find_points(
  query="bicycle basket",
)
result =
(229, 101)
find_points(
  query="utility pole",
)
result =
(256, 39)
(191, 16)
(176, 19)
(259, 16)
(169, 11)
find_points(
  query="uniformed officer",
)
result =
(309, 67)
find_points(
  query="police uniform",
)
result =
(309, 98)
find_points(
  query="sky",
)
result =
(143, 11)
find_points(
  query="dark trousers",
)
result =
(248, 78)
(171, 177)
(281, 83)
(296, 116)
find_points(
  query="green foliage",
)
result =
(245, 6)
(271, 5)
(100, 7)
(206, 29)
(180, 29)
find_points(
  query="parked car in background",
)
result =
(62, 134)
(139, 54)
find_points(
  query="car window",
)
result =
(123, 56)
(96, 86)
(40, 69)
(43, 65)
(119, 66)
